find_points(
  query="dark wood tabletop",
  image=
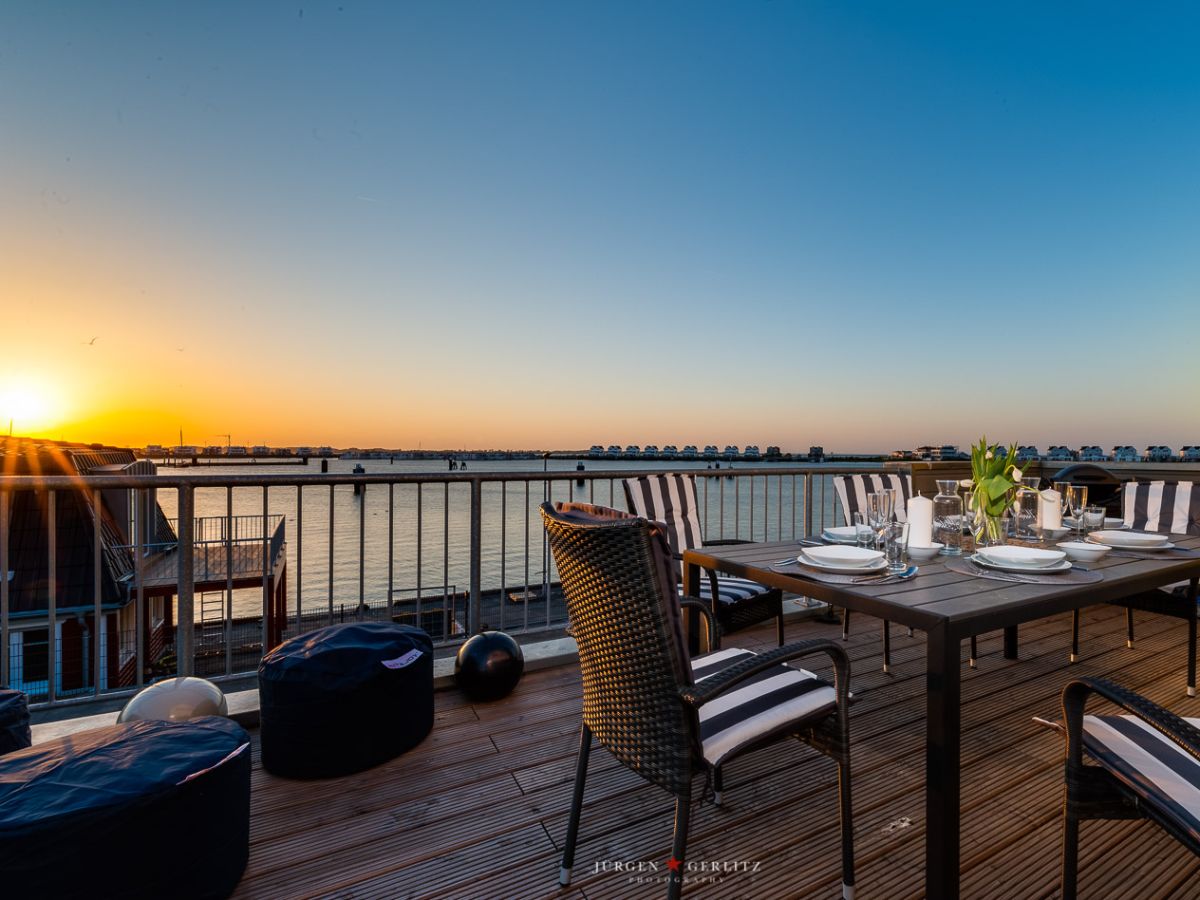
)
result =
(950, 608)
(938, 597)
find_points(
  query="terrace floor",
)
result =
(480, 808)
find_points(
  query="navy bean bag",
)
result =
(344, 698)
(14, 721)
(145, 809)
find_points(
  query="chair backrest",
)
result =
(618, 580)
(1172, 506)
(852, 492)
(669, 498)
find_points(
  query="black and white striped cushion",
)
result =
(1162, 774)
(671, 499)
(852, 492)
(770, 702)
(730, 589)
(1163, 506)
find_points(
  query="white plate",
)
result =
(876, 566)
(1138, 548)
(1021, 557)
(1063, 565)
(843, 555)
(843, 534)
(1130, 540)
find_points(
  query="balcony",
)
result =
(480, 808)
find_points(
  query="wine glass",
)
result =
(880, 507)
(1077, 503)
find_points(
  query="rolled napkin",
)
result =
(1050, 509)
(920, 521)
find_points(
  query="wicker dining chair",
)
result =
(1147, 765)
(1170, 508)
(671, 498)
(661, 713)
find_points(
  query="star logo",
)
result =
(674, 864)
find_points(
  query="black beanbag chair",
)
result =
(14, 722)
(137, 810)
(344, 698)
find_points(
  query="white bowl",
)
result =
(1030, 557)
(1053, 534)
(1081, 552)
(843, 534)
(841, 555)
(924, 553)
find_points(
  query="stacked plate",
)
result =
(1022, 559)
(1132, 540)
(842, 558)
(843, 534)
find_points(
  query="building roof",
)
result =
(74, 528)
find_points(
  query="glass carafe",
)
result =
(948, 518)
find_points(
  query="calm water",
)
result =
(512, 546)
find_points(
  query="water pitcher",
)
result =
(948, 518)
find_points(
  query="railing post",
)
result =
(475, 618)
(51, 596)
(185, 625)
(97, 612)
(5, 499)
(808, 507)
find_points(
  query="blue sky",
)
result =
(555, 224)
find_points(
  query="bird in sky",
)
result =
(90, 343)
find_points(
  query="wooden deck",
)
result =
(480, 808)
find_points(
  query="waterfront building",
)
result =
(710, 451)
(613, 451)
(1061, 453)
(731, 452)
(1092, 453)
(1125, 453)
(669, 452)
(1190, 453)
(689, 452)
(1028, 453)
(751, 453)
(596, 452)
(1159, 453)
(650, 451)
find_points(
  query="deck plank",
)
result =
(480, 808)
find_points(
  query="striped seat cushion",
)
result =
(729, 589)
(1162, 506)
(669, 498)
(1160, 773)
(852, 492)
(765, 704)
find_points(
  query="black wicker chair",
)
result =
(1147, 765)
(648, 702)
(1171, 508)
(671, 499)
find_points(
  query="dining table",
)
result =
(951, 606)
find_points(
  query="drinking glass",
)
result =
(895, 546)
(863, 533)
(1093, 519)
(1077, 503)
(1062, 487)
(880, 507)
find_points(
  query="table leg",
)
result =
(1010, 642)
(942, 751)
(1191, 606)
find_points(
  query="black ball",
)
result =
(489, 665)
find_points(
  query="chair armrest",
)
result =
(1165, 722)
(727, 542)
(712, 637)
(696, 695)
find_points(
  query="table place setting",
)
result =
(1129, 544)
(1023, 565)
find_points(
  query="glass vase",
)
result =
(948, 518)
(991, 531)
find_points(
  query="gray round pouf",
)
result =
(175, 700)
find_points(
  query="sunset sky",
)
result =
(862, 225)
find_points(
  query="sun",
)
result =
(28, 406)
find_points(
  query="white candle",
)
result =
(920, 521)
(1050, 509)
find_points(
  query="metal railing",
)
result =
(368, 546)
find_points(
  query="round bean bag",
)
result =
(344, 698)
(176, 699)
(146, 809)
